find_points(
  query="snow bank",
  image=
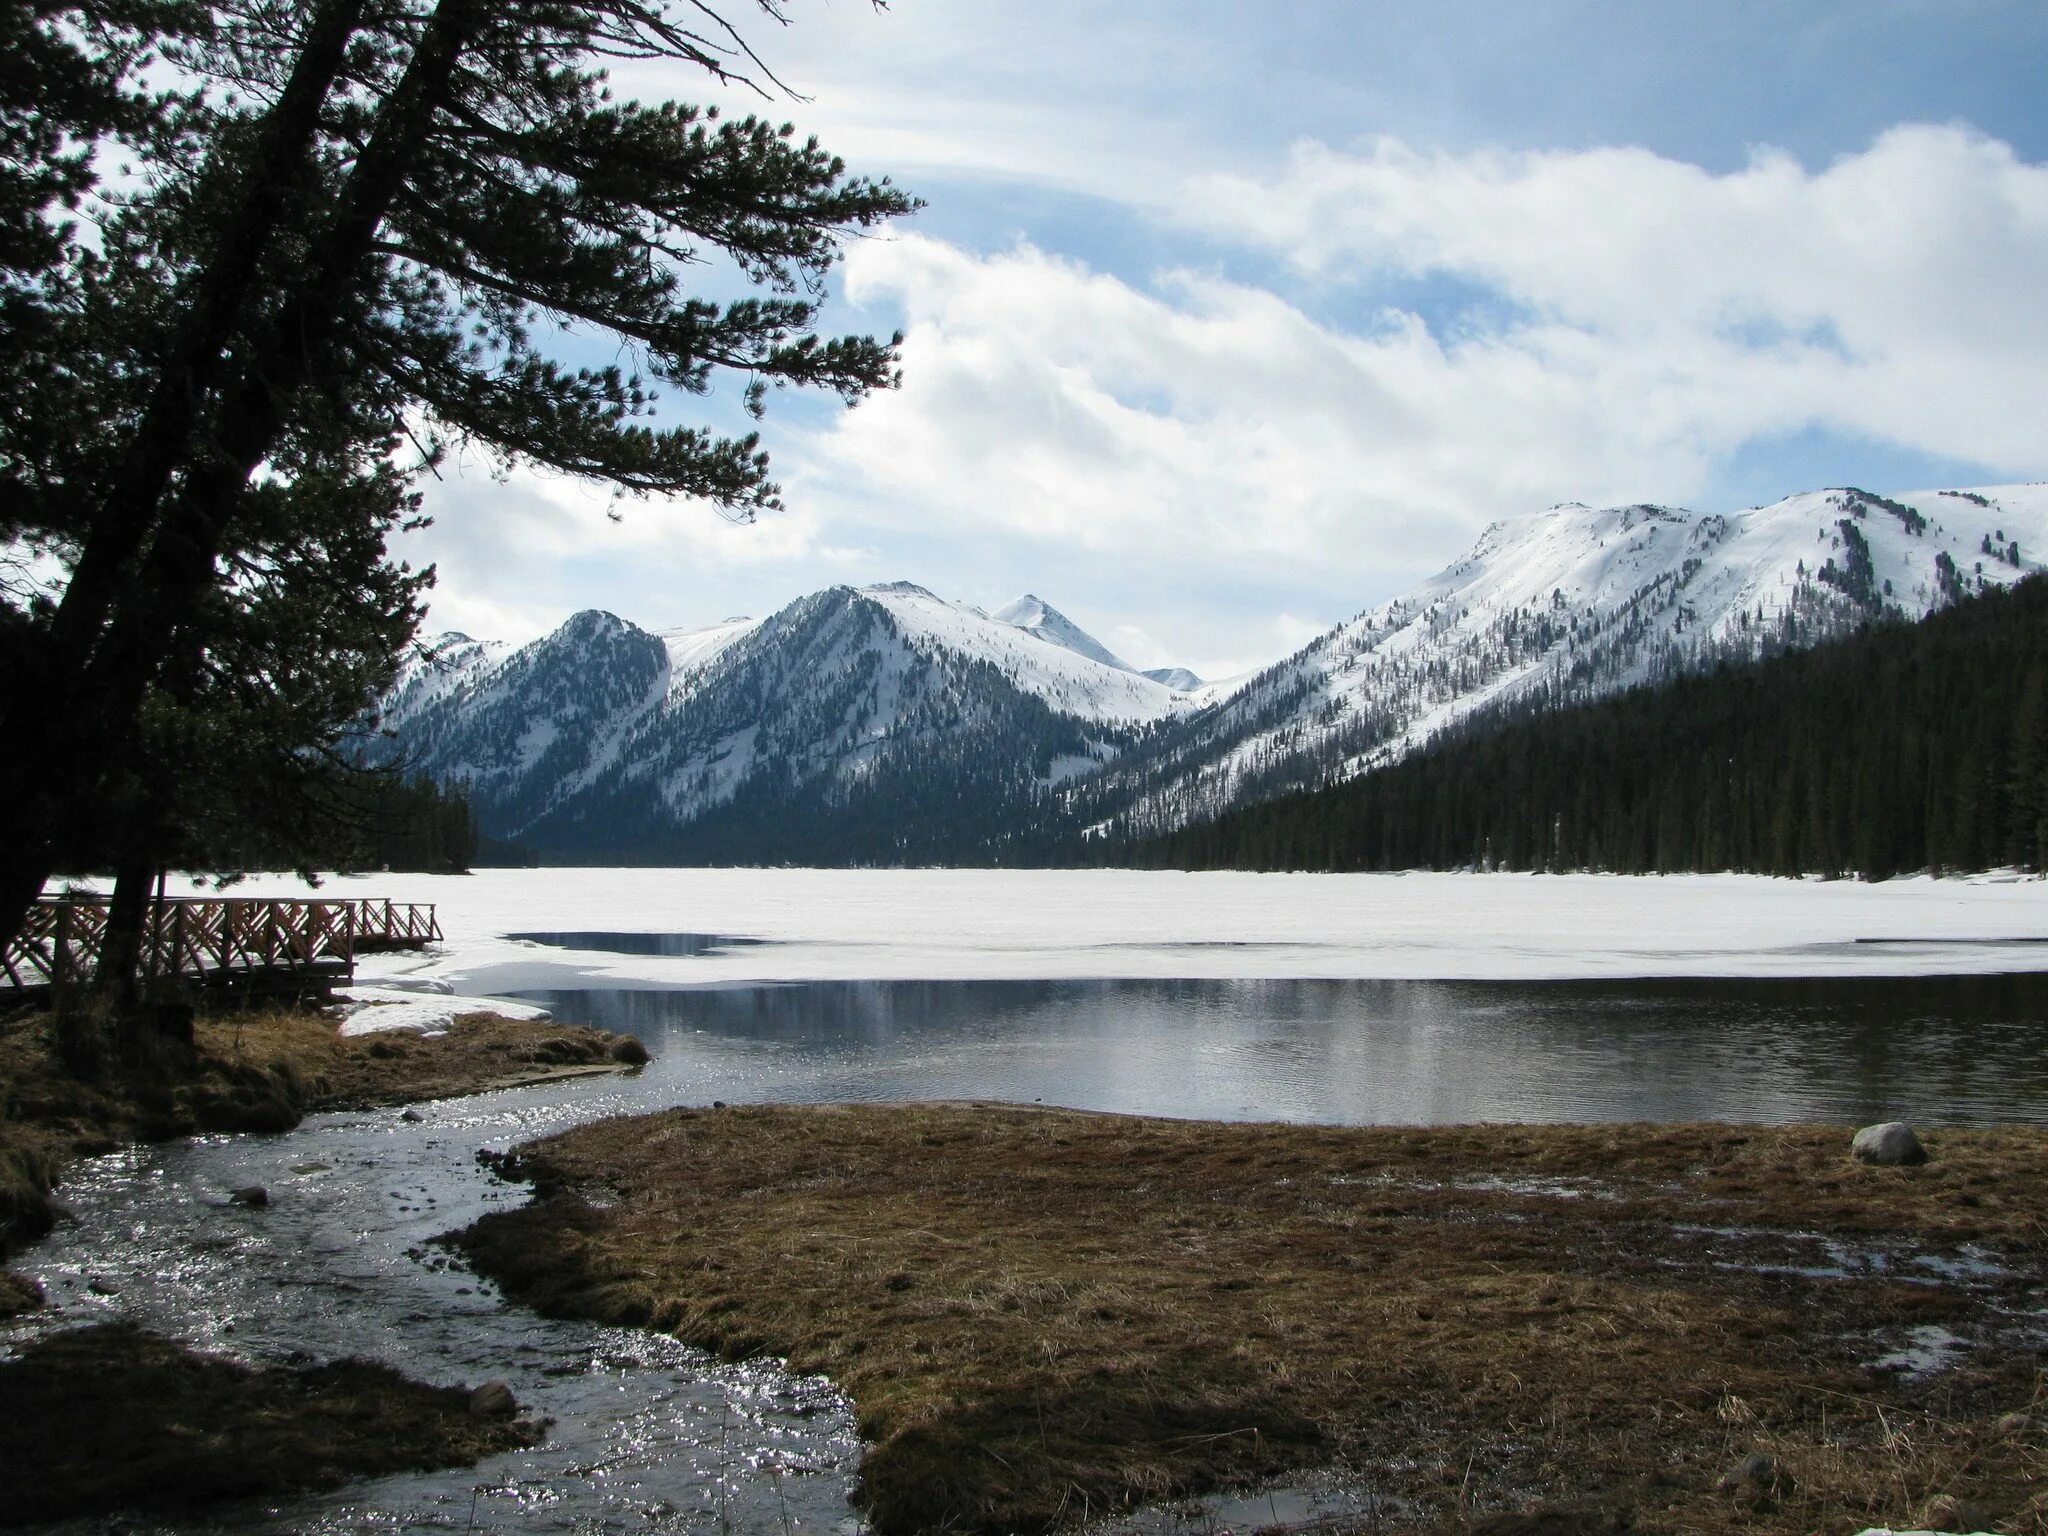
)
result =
(419, 1010)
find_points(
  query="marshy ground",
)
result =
(1044, 1316)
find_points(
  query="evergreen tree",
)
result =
(1900, 748)
(368, 219)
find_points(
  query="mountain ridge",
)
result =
(886, 724)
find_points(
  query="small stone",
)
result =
(412, 1117)
(1946, 1512)
(101, 1287)
(1890, 1145)
(493, 1400)
(1756, 1479)
(718, 1103)
(628, 1052)
(253, 1195)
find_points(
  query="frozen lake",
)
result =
(1335, 998)
(1007, 925)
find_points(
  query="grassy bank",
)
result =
(166, 1430)
(1042, 1315)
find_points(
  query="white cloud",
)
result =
(516, 555)
(1645, 318)
(1896, 292)
(1191, 455)
(1206, 424)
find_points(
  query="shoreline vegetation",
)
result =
(1046, 1315)
(110, 1418)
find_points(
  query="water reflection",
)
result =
(1938, 1050)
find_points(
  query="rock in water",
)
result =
(1891, 1145)
(250, 1195)
(629, 1052)
(493, 1400)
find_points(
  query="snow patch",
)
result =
(372, 1010)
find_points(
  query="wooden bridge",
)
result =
(246, 943)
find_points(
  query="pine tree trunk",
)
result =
(119, 976)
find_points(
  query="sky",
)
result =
(1227, 319)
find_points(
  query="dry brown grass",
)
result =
(169, 1430)
(1042, 1315)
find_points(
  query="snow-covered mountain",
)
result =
(886, 724)
(1570, 604)
(874, 723)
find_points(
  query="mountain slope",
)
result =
(885, 724)
(1573, 603)
(1899, 748)
(1034, 616)
(880, 723)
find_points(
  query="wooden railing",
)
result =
(382, 925)
(216, 940)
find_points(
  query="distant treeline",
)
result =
(1903, 747)
(361, 820)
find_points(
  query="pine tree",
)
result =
(373, 233)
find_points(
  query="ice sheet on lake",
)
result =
(933, 925)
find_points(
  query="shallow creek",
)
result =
(647, 1435)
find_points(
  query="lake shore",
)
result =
(114, 1418)
(1044, 1315)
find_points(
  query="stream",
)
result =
(647, 1436)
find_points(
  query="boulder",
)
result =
(252, 1195)
(493, 1400)
(629, 1052)
(1890, 1145)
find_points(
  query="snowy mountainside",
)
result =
(1567, 604)
(529, 728)
(884, 709)
(439, 667)
(884, 724)
(1040, 650)
(1035, 616)
(691, 652)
